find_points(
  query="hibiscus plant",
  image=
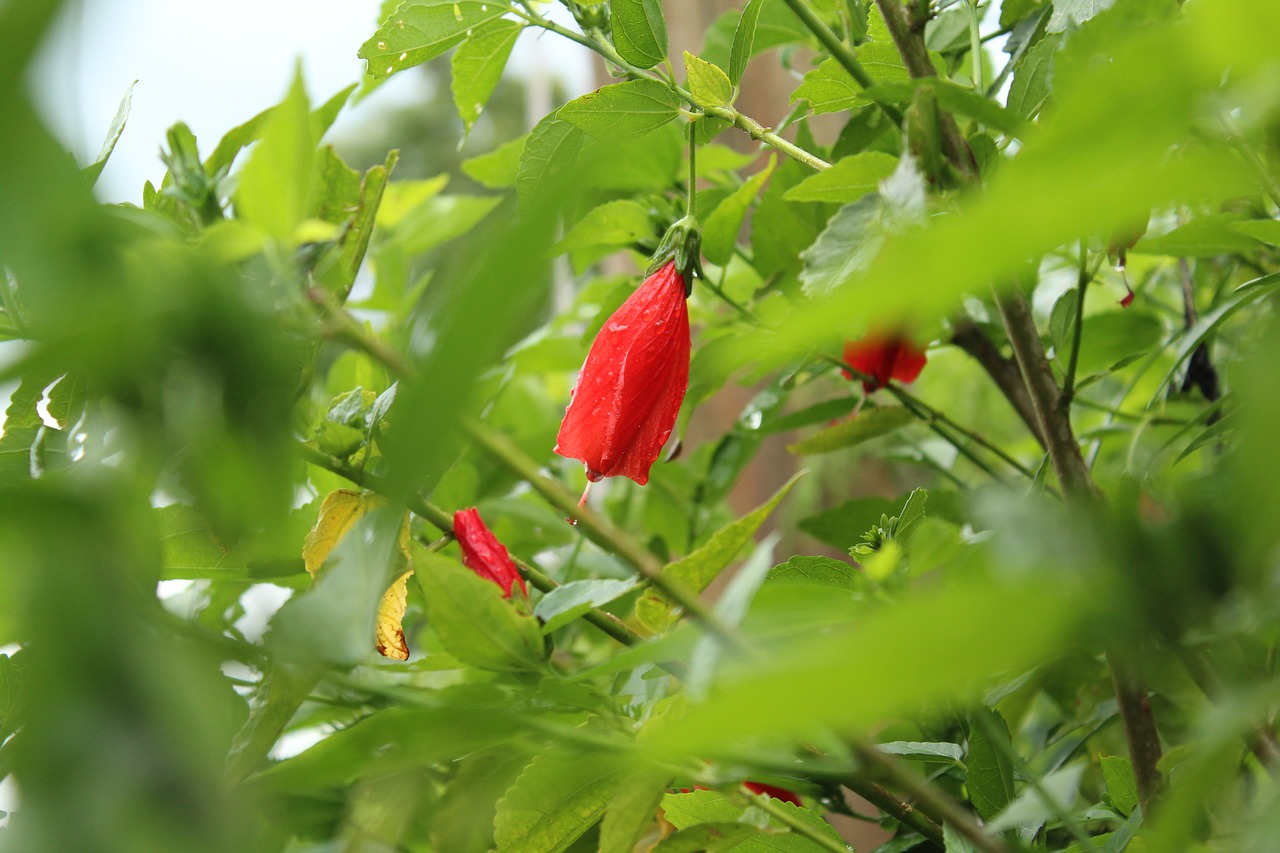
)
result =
(926, 415)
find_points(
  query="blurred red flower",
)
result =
(883, 357)
(483, 553)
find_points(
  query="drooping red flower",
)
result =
(632, 384)
(774, 791)
(883, 357)
(483, 553)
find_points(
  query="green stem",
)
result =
(600, 530)
(1077, 333)
(760, 133)
(443, 521)
(799, 827)
(691, 192)
(903, 812)
(975, 45)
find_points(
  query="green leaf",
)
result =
(710, 838)
(500, 167)
(556, 799)
(781, 230)
(701, 567)
(1029, 810)
(551, 149)
(720, 231)
(1068, 12)
(744, 37)
(1111, 337)
(1033, 78)
(639, 31)
(912, 512)
(622, 111)
(952, 97)
(828, 89)
(12, 679)
(337, 270)
(440, 219)
(708, 84)
(477, 66)
(276, 184)
(1204, 236)
(848, 244)
(633, 809)
(94, 169)
(824, 571)
(1266, 230)
(1122, 786)
(868, 424)
(422, 30)
(989, 772)
(695, 807)
(924, 751)
(472, 619)
(567, 602)
(614, 223)
(848, 179)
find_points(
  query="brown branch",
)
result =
(1003, 371)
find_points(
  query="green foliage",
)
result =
(1045, 605)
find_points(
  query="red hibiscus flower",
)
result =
(884, 357)
(774, 791)
(631, 386)
(483, 553)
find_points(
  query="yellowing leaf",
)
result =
(339, 512)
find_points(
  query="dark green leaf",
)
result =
(989, 772)
(720, 232)
(639, 31)
(1033, 78)
(744, 38)
(622, 111)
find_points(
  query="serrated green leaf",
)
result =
(622, 111)
(924, 751)
(478, 64)
(472, 619)
(614, 223)
(848, 179)
(1215, 234)
(824, 571)
(744, 38)
(639, 31)
(551, 149)
(422, 30)
(828, 88)
(94, 169)
(556, 799)
(989, 772)
(720, 231)
(847, 245)
(708, 84)
(633, 809)
(701, 567)
(500, 167)
(277, 183)
(868, 424)
(912, 512)
(566, 603)
(709, 838)
(694, 807)
(1122, 787)
(1033, 78)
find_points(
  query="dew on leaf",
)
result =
(404, 56)
(382, 45)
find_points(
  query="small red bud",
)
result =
(484, 554)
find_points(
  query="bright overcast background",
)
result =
(214, 65)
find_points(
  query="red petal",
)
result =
(632, 384)
(483, 553)
(773, 791)
(884, 357)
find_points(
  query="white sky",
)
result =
(214, 64)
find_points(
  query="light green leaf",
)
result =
(499, 168)
(701, 567)
(622, 111)
(1122, 786)
(828, 88)
(847, 245)
(337, 270)
(720, 232)
(694, 807)
(848, 179)
(1266, 230)
(556, 799)
(924, 751)
(744, 37)
(441, 219)
(477, 66)
(1204, 236)
(422, 30)
(472, 619)
(551, 149)
(566, 603)
(912, 512)
(868, 424)
(633, 809)
(1030, 810)
(709, 838)
(614, 223)
(94, 169)
(639, 31)
(989, 772)
(824, 571)
(276, 184)
(1068, 12)
(708, 84)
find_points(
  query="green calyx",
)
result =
(683, 244)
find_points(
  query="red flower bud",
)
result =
(483, 553)
(631, 386)
(774, 791)
(884, 357)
